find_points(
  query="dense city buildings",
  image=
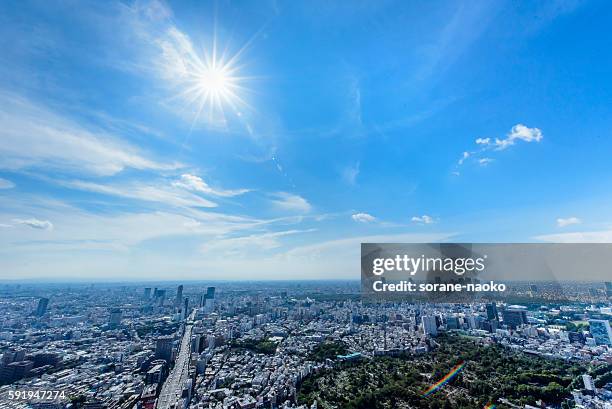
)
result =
(600, 329)
(267, 344)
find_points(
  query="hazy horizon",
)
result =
(193, 140)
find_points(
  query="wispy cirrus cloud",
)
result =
(246, 244)
(160, 192)
(35, 223)
(34, 136)
(350, 173)
(6, 184)
(290, 202)
(196, 183)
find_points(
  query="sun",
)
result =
(215, 81)
(214, 86)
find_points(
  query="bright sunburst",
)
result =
(213, 85)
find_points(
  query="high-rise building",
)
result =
(601, 332)
(514, 317)
(492, 312)
(452, 322)
(114, 319)
(179, 295)
(159, 296)
(147, 293)
(43, 303)
(429, 325)
(608, 288)
(15, 371)
(208, 299)
(185, 308)
(163, 348)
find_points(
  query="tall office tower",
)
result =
(210, 304)
(208, 299)
(601, 332)
(452, 322)
(163, 348)
(159, 296)
(608, 288)
(43, 303)
(179, 295)
(492, 312)
(115, 318)
(147, 293)
(185, 308)
(514, 317)
(429, 325)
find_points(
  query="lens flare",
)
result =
(446, 379)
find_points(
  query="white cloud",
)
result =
(6, 184)
(196, 183)
(291, 202)
(423, 219)
(75, 228)
(350, 173)
(519, 132)
(35, 223)
(34, 136)
(243, 245)
(561, 222)
(160, 193)
(464, 156)
(363, 218)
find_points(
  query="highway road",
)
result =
(173, 387)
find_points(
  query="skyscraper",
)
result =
(43, 303)
(179, 295)
(514, 317)
(492, 312)
(185, 308)
(163, 348)
(147, 293)
(429, 325)
(601, 332)
(115, 317)
(208, 299)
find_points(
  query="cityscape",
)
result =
(299, 344)
(363, 204)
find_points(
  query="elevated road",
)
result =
(173, 387)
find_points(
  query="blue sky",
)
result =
(327, 124)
